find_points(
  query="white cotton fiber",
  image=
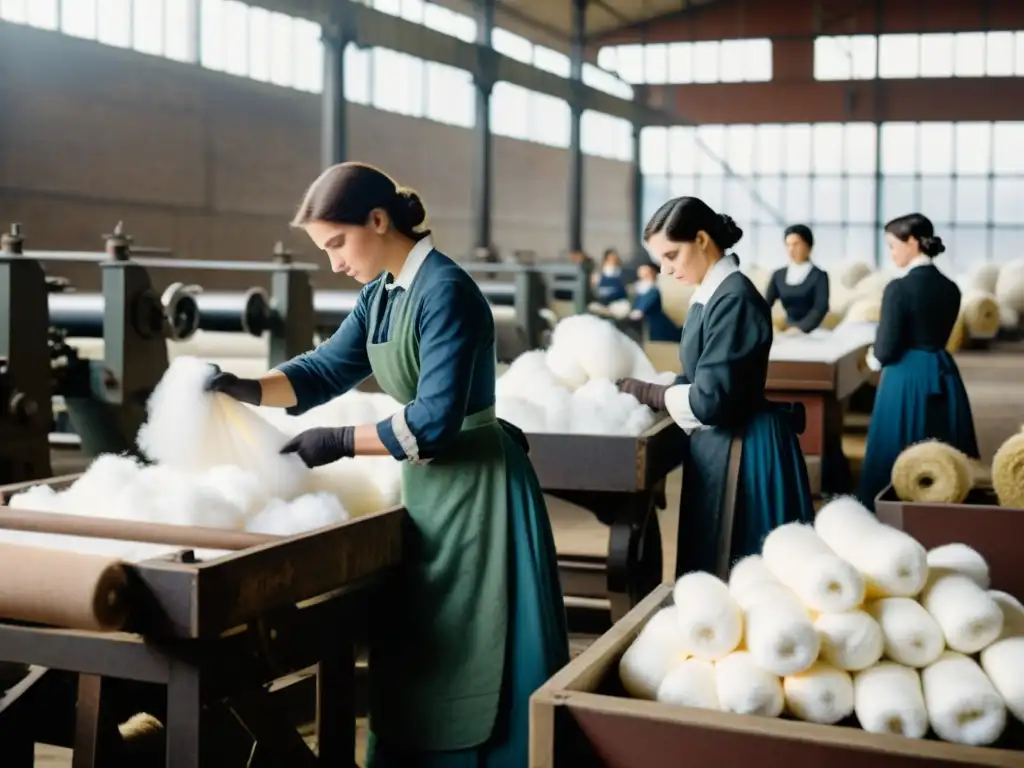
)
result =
(94, 492)
(968, 617)
(690, 684)
(306, 513)
(822, 694)
(802, 561)
(745, 688)
(593, 345)
(357, 484)
(240, 488)
(912, 637)
(963, 559)
(708, 617)
(852, 640)
(528, 372)
(193, 430)
(887, 698)
(777, 629)
(963, 706)
(39, 498)
(1003, 661)
(656, 650)
(893, 563)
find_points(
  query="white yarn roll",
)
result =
(822, 694)
(802, 561)
(963, 559)
(912, 637)
(968, 617)
(852, 641)
(893, 563)
(1003, 661)
(691, 684)
(655, 651)
(963, 705)
(709, 619)
(747, 689)
(888, 698)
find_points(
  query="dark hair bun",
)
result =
(415, 211)
(729, 233)
(931, 246)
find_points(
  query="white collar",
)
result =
(918, 261)
(714, 278)
(797, 273)
(640, 287)
(412, 265)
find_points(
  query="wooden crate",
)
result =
(581, 719)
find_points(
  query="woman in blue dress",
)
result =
(647, 307)
(801, 286)
(477, 621)
(921, 394)
(743, 471)
(608, 283)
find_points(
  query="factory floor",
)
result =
(992, 378)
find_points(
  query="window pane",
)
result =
(865, 56)
(860, 245)
(937, 199)
(37, 13)
(827, 147)
(282, 60)
(1019, 54)
(78, 18)
(387, 73)
(971, 200)
(758, 61)
(550, 120)
(179, 35)
(413, 10)
(605, 57)
(797, 149)
(860, 200)
(510, 110)
(711, 143)
(309, 63)
(682, 186)
(859, 144)
(391, 7)
(450, 95)
(767, 199)
(1008, 203)
(259, 44)
(706, 62)
(235, 40)
(211, 33)
(114, 25)
(769, 148)
(732, 61)
(827, 195)
(829, 243)
(711, 189)
(739, 147)
(899, 147)
(999, 54)
(1008, 147)
(737, 199)
(937, 56)
(682, 149)
(654, 150)
(680, 63)
(832, 59)
(1005, 244)
(551, 61)
(898, 197)
(357, 73)
(966, 247)
(656, 64)
(765, 247)
(899, 56)
(630, 63)
(969, 54)
(973, 147)
(655, 193)
(797, 197)
(148, 26)
(512, 45)
(935, 148)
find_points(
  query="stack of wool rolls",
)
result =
(848, 617)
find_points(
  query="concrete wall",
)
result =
(212, 165)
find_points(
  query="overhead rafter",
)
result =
(688, 9)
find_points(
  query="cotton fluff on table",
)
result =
(892, 649)
(218, 464)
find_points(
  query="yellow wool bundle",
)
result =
(932, 471)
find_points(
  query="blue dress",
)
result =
(610, 287)
(921, 395)
(453, 333)
(720, 397)
(659, 325)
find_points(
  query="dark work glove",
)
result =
(651, 395)
(323, 445)
(244, 390)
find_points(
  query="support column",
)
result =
(483, 80)
(334, 111)
(579, 33)
(637, 180)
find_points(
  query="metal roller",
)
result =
(81, 314)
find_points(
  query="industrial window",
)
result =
(912, 56)
(36, 13)
(706, 61)
(967, 176)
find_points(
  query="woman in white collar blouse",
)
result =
(920, 395)
(743, 472)
(800, 286)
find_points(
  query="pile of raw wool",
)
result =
(216, 463)
(849, 617)
(570, 387)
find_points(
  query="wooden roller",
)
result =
(62, 589)
(129, 530)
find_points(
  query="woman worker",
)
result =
(647, 306)
(920, 394)
(800, 286)
(478, 623)
(743, 471)
(608, 283)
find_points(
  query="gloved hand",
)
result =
(244, 390)
(323, 445)
(651, 395)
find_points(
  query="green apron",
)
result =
(437, 650)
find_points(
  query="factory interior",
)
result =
(178, 592)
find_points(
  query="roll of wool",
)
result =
(912, 637)
(981, 314)
(777, 630)
(932, 471)
(802, 561)
(1010, 285)
(1004, 659)
(746, 688)
(867, 309)
(963, 705)
(822, 694)
(1008, 472)
(709, 619)
(887, 698)
(852, 273)
(968, 617)
(690, 684)
(893, 563)
(652, 654)
(962, 559)
(1009, 318)
(852, 641)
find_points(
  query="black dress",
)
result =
(805, 302)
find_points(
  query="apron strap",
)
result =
(728, 512)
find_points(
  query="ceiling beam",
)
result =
(689, 9)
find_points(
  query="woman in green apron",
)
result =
(478, 623)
